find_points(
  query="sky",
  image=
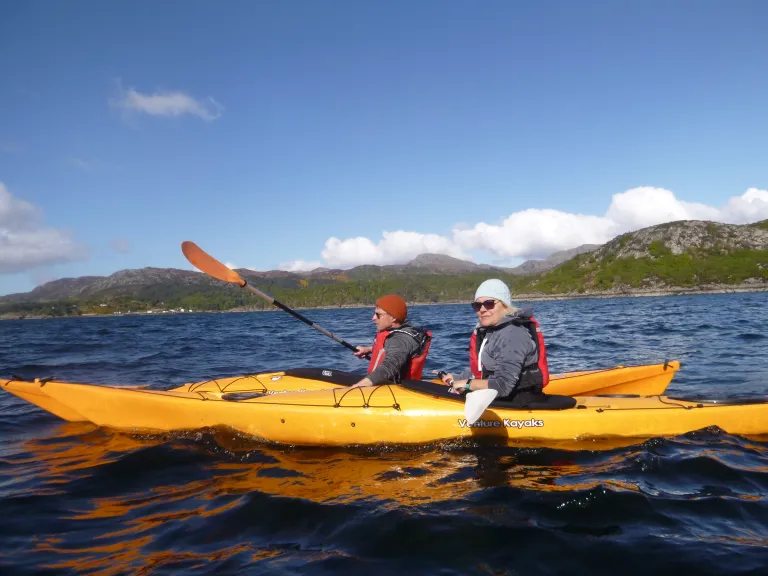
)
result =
(291, 135)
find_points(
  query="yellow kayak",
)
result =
(645, 380)
(413, 412)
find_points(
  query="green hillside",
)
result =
(685, 254)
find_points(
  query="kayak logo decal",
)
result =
(284, 391)
(275, 378)
(327, 373)
(506, 423)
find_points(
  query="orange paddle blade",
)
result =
(208, 264)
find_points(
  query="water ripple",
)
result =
(85, 500)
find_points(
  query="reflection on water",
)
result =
(129, 497)
(84, 500)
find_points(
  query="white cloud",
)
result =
(646, 206)
(751, 206)
(168, 103)
(395, 247)
(299, 266)
(233, 266)
(16, 214)
(536, 233)
(25, 243)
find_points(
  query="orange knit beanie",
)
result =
(395, 305)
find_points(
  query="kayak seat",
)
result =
(527, 401)
(523, 401)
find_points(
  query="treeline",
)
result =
(583, 273)
(421, 288)
(690, 269)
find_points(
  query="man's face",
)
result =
(382, 319)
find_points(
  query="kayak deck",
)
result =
(394, 414)
(645, 380)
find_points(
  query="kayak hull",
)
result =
(395, 414)
(645, 380)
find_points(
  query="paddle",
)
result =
(208, 264)
(475, 403)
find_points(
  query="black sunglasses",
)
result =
(487, 304)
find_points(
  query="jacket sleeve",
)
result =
(398, 350)
(514, 346)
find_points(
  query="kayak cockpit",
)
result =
(543, 402)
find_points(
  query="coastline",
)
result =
(602, 294)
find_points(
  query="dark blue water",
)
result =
(76, 499)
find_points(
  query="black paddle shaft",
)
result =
(302, 318)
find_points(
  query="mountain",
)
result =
(552, 261)
(687, 236)
(684, 254)
(138, 282)
(124, 282)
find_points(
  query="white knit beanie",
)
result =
(494, 288)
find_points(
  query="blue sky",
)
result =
(306, 133)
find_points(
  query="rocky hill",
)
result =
(687, 236)
(554, 260)
(139, 282)
(664, 258)
(683, 254)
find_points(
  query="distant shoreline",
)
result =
(605, 294)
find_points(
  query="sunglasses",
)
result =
(380, 314)
(487, 304)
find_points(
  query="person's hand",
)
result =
(458, 386)
(363, 382)
(447, 379)
(363, 350)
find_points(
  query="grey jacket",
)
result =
(508, 349)
(398, 348)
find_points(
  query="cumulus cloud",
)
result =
(536, 233)
(168, 103)
(25, 243)
(752, 206)
(646, 206)
(398, 246)
(299, 265)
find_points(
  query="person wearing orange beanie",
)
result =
(399, 350)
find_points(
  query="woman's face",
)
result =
(489, 310)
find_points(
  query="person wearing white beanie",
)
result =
(506, 348)
(494, 288)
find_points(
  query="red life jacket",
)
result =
(533, 327)
(415, 365)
